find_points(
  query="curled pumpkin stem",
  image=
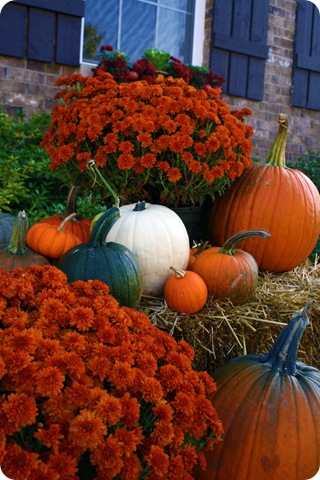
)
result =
(230, 244)
(63, 224)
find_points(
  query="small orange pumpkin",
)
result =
(194, 252)
(185, 291)
(77, 225)
(230, 273)
(50, 240)
(159, 78)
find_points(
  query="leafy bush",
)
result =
(310, 166)
(26, 181)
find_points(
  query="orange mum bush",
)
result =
(167, 143)
(91, 390)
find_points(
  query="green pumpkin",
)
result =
(110, 262)
(6, 224)
(17, 254)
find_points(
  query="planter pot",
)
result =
(192, 219)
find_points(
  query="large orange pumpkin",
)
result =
(77, 225)
(270, 409)
(271, 196)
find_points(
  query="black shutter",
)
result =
(44, 30)
(306, 65)
(239, 45)
(13, 30)
(41, 26)
(68, 28)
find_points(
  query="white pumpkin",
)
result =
(157, 237)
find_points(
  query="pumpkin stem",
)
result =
(17, 244)
(277, 153)
(72, 200)
(140, 206)
(63, 224)
(230, 244)
(283, 354)
(179, 273)
(200, 248)
(103, 226)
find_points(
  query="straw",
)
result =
(221, 330)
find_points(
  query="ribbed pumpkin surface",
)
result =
(110, 262)
(228, 277)
(272, 196)
(114, 264)
(279, 199)
(270, 409)
(9, 261)
(185, 292)
(78, 226)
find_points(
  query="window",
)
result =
(132, 26)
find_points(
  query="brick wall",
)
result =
(29, 85)
(304, 123)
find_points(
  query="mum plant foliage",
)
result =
(91, 390)
(167, 143)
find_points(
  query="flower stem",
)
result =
(92, 166)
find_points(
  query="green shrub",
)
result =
(26, 181)
(310, 166)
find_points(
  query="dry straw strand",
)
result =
(221, 331)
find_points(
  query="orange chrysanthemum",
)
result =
(49, 381)
(101, 388)
(87, 430)
(158, 461)
(117, 124)
(174, 174)
(50, 437)
(21, 409)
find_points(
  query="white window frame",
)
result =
(197, 43)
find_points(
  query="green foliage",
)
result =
(159, 58)
(310, 166)
(92, 40)
(26, 181)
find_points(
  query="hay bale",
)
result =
(222, 331)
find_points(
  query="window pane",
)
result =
(185, 5)
(175, 33)
(137, 28)
(100, 27)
